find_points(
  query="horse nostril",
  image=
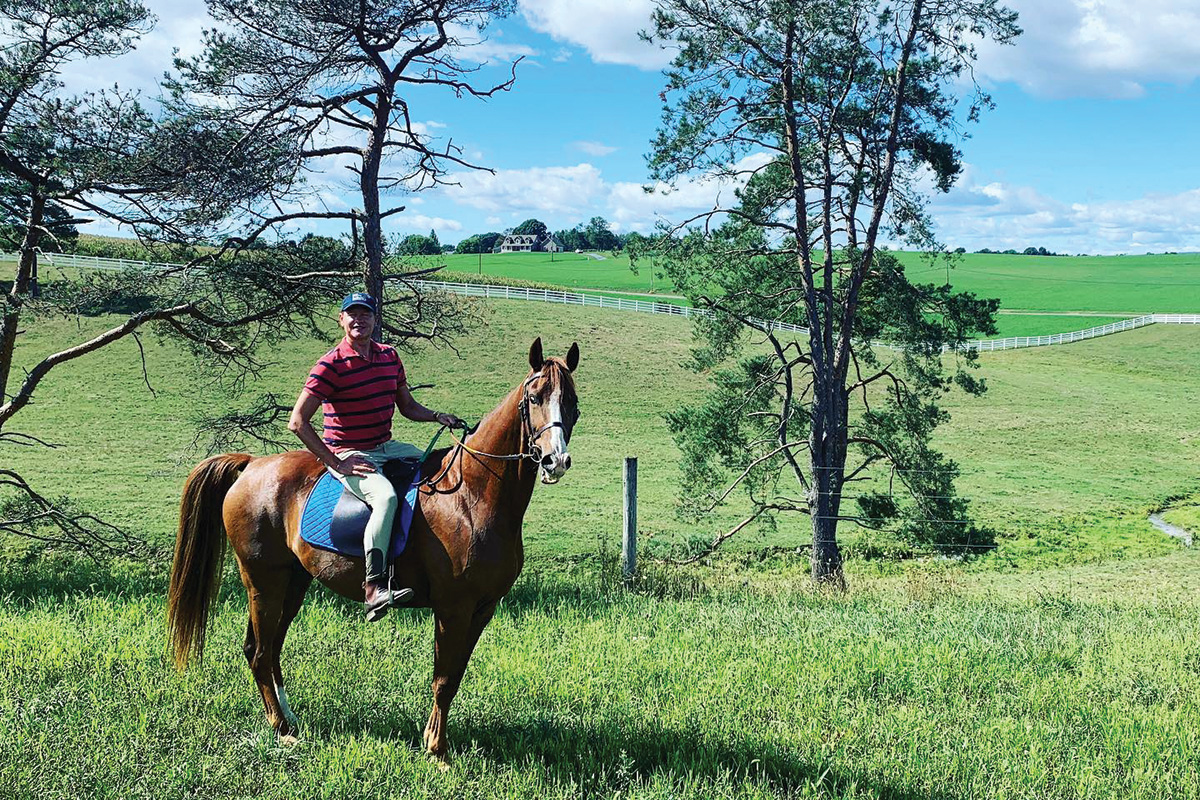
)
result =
(567, 461)
(548, 460)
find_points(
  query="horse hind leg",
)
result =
(267, 594)
(298, 584)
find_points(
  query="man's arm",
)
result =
(413, 410)
(300, 424)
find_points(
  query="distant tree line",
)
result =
(595, 234)
(1028, 251)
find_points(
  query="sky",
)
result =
(1091, 147)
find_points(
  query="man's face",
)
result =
(358, 322)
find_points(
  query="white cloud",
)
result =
(557, 191)
(1098, 48)
(607, 29)
(180, 25)
(594, 148)
(483, 47)
(562, 196)
(1000, 216)
(422, 223)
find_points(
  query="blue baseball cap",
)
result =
(359, 299)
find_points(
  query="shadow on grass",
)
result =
(94, 304)
(549, 588)
(604, 760)
(54, 575)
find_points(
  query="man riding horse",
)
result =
(360, 382)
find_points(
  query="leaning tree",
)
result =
(333, 84)
(836, 117)
(66, 160)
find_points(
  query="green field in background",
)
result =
(1115, 287)
(1063, 456)
(1062, 665)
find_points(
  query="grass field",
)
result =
(563, 269)
(1064, 456)
(1107, 285)
(930, 686)
(1066, 664)
(1102, 288)
(1113, 287)
(1125, 285)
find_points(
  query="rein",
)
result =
(530, 436)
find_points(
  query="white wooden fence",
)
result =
(658, 306)
(95, 262)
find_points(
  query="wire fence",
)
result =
(563, 297)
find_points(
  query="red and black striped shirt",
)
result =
(358, 395)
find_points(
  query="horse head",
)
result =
(550, 409)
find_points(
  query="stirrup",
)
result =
(385, 597)
(400, 597)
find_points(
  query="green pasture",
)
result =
(1064, 665)
(1119, 285)
(934, 685)
(561, 269)
(1101, 289)
(1063, 457)
(1113, 287)
(1046, 324)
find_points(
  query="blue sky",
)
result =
(1091, 147)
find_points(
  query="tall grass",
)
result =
(927, 686)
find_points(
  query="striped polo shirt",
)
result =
(358, 395)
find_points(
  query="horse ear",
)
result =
(573, 356)
(535, 354)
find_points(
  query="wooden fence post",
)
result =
(629, 521)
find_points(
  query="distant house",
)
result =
(530, 243)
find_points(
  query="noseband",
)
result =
(531, 435)
(528, 434)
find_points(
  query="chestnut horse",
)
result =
(464, 549)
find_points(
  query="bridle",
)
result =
(529, 435)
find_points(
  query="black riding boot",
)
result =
(379, 594)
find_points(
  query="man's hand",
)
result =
(354, 465)
(450, 421)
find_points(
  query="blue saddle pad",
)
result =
(334, 518)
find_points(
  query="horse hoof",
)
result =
(287, 740)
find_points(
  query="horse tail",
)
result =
(199, 551)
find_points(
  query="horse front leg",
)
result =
(455, 638)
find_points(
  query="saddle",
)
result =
(334, 518)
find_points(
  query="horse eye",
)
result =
(535, 399)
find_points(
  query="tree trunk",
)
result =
(827, 444)
(372, 224)
(16, 297)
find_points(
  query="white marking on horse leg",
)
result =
(281, 693)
